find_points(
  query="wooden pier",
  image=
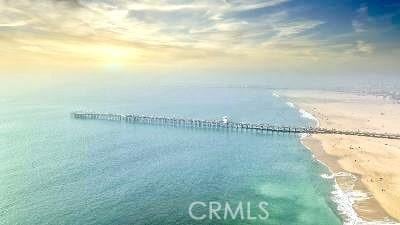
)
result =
(221, 124)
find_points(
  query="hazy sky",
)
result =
(253, 35)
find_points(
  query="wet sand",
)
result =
(374, 162)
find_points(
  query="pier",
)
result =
(222, 124)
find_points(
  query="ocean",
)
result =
(59, 170)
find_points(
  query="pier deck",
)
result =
(196, 123)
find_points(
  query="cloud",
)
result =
(251, 5)
(12, 17)
(169, 32)
(358, 26)
(361, 19)
(149, 30)
(364, 48)
(143, 6)
(294, 28)
(235, 5)
(162, 22)
(362, 10)
(14, 24)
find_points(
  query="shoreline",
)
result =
(351, 197)
(355, 201)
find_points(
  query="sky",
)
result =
(264, 36)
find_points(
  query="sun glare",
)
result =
(113, 56)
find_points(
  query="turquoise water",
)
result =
(57, 170)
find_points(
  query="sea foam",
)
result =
(291, 105)
(345, 199)
(307, 115)
(327, 176)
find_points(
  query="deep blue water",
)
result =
(57, 170)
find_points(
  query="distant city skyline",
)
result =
(255, 35)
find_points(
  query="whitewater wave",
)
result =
(303, 135)
(275, 94)
(291, 105)
(327, 176)
(307, 115)
(345, 199)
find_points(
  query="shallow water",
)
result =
(57, 170)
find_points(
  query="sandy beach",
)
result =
(369, 168)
